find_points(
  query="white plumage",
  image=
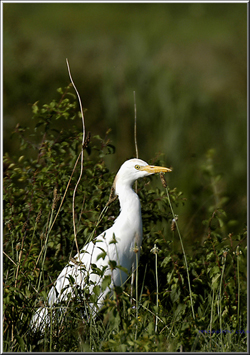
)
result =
(127, 233)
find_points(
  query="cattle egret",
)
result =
(120, 243)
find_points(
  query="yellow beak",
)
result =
(155, 169)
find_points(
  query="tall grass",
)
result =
(191, 301)
(188, 67)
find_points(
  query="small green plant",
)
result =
(168, 310)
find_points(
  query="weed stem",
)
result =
(182, 246)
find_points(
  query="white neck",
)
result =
(129, 203)
(127, 197)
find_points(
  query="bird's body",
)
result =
(119, 243)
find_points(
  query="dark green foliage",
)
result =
(187, 63)
(38, 244)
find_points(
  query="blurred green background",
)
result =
(187, 64)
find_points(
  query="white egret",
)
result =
(115, 244)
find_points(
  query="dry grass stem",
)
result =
(135, 137)
(83, 140)
(135, 129)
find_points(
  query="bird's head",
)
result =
(134, 169)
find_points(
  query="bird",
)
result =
(113, 251)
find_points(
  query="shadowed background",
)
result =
(187, 64)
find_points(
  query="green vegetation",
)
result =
(187, 64)
(38, 242)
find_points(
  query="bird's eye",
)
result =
(137, 167)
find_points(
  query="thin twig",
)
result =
(135, 138)
(83, 139)
(65, 192)
(148, 310)
(222, 275)
(9, 258)
(157, 287)
(80, 103)
(16, 277)
(135, 130)
(136, 189)
(164, 183)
